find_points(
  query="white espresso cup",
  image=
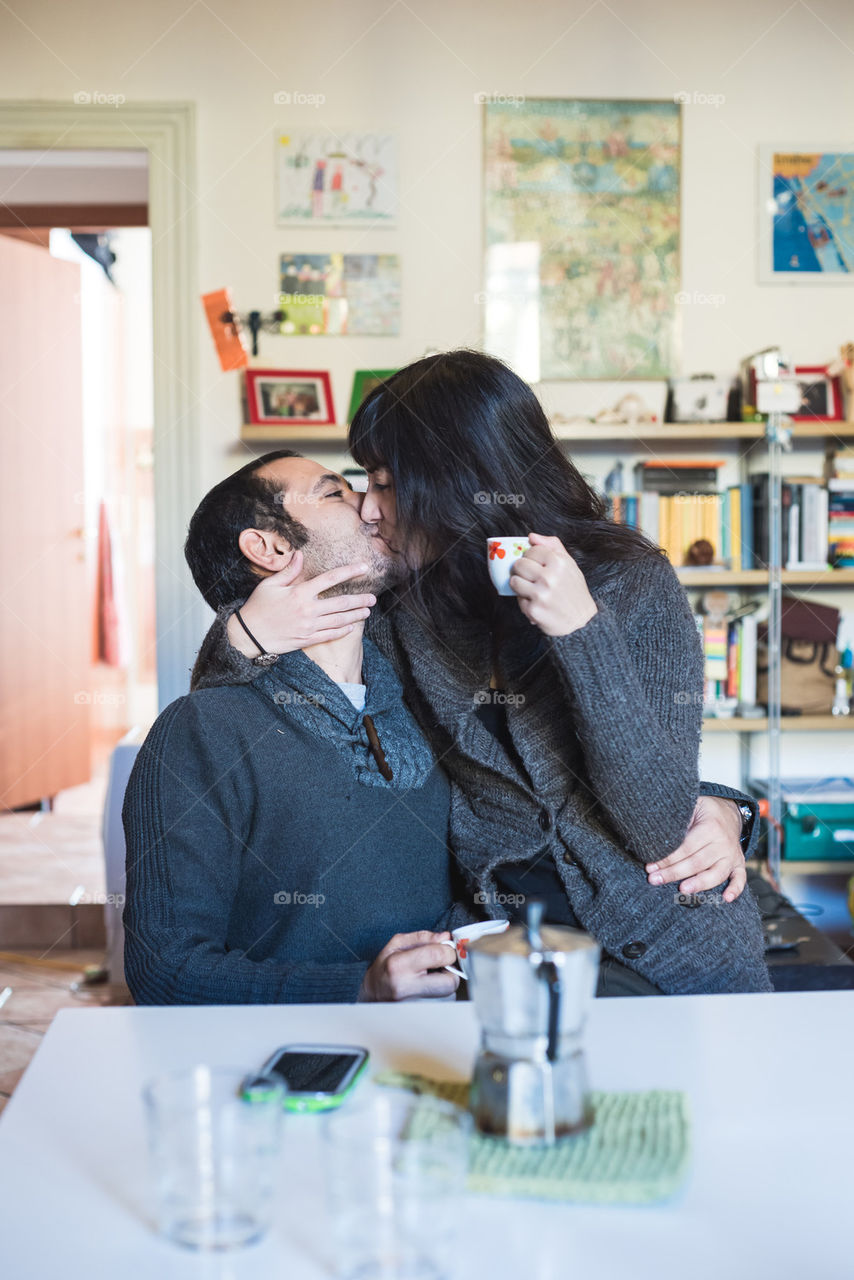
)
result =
(468, 933)
(501, 555)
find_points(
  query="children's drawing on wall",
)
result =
(336, 179)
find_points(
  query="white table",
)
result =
(771, 1082)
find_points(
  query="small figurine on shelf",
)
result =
(614, 479)
(843, 368)
(700, 552)
(630, 411)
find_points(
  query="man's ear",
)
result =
(265, 549)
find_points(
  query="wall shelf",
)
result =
(678, 432)
(800, 867)
(286, 435)
(587, 433)
(759, 577)
(788, 724)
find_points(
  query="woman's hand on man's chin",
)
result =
(551, 588)
(284, 614)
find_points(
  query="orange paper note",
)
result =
(227, 335)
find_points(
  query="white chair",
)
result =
(121, 763)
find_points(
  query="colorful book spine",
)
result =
(746, 526)
(715, 648)
(735, 560)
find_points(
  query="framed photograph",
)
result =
(582, 210)
(821, 395)
(295, 397)
(327, 179)
(329, 294)
(364, 381)
(806, 215)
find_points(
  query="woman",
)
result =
(568, 718)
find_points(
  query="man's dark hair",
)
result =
(243, 500)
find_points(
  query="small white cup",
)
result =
(501, 555)
(468, 933)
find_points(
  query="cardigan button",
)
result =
(569, 860)
(634, 950)
(545, 820)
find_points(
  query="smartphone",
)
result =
(319, 1076)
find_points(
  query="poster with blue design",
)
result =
(807, 216)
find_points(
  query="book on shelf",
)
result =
(817, 519)
(677, 477)
(729, 659)
(840, 536)
(804, 519)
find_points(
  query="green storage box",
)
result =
(818, 818)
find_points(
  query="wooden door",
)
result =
(44, 607)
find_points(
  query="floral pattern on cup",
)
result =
(502, 554)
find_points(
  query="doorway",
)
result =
(92, 433)
(163, 135)
(166, 133)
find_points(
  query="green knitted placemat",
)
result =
(635, 1152)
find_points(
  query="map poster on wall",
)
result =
(582, 236)
(806, 211)
(329, 180)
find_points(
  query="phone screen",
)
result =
(314, 1072)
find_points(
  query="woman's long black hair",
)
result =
(472, 455)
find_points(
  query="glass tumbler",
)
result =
(395, 1167)
(214, 1153)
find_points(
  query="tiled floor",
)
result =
(38, 987)
(46, 860)
(47, 857)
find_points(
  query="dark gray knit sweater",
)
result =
(268, 859)
(606, 724)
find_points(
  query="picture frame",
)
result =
(821, 394)
(805, 207)
(364, 381)
(289, 397)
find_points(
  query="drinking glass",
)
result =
(396, 1165)
(214, 1152)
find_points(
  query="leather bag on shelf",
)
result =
(808, 657)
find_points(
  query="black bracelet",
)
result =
(263, 652)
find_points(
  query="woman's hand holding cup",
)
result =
(551, 589)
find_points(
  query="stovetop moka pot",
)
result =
(532, 986)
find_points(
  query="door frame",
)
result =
(167, 131)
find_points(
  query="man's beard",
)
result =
(385, 570)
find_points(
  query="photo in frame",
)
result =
(294, 397)
(582, 212)
(806, 215)
(821, 394)
(326, 179)
(364, 381)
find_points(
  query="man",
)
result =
(287, 839)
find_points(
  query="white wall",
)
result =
(786, 72)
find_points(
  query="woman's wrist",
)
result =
(238, 639)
